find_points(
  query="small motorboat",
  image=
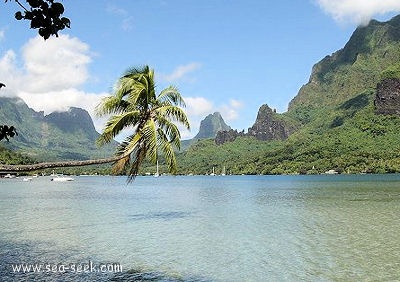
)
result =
(62, 179)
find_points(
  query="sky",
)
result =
(225, 56)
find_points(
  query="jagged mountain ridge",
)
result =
(347, 117)
(334, 80)
(351, 70)
(56, 136)
(73, 120)
(210, 126)
(268, 126)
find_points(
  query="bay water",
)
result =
(202, 228)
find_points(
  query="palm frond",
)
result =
(116, 124)
(135, 104)
(149, 133)
(139, 157)
(168, 151)
(137, 70)
(133, 148)
(130, 144)
(171, 96)
(131, 89)
(120, 165)
(171, 131)
(174, 113)
(140, 84)
(111, 105)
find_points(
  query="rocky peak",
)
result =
(227, 136)
(211, 125)
(73, 120)
(337, 77)
(268, 125)
(387, 99)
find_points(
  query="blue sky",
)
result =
(226, 56)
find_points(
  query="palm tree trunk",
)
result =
(31, 167)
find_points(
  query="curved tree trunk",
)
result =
(31, 167)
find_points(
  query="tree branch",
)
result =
(32, 167)
(22, 6)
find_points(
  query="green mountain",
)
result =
(268, 126)
(347, 73)
(57, 136)
(210, 126)
(345, 118)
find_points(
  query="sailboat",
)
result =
(223, 171)
(157, 173)
(213, 173)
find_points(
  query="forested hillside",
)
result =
(341, 127)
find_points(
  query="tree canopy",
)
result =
(44, 15)
(7, 131)
(150, 116)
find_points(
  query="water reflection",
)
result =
(160, 215)
(350, 231)
(259, 228)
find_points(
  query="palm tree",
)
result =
(135, 106)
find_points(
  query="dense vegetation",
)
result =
(238, 157)
(340, 129)
(334, 112)
(371, 53)
(10, 157)
(57, 136)
(348, 139)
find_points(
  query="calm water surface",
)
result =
(198, 228)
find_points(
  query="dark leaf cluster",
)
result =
(7, 131)
(44, 15)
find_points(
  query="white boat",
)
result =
(213, 173)
(157, 174)
(27, 179)
(62, 179)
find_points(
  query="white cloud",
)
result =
(10, 75)
(50, 74)
(230, 112)
(358, 11)
(180, 72)
(55, 64)
(127, 21)
(65, 99)
(117, 10)
(62, 100)
(2, 33)
(198, 106)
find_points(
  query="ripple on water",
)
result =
(207, 229)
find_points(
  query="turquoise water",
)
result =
(203, 228)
